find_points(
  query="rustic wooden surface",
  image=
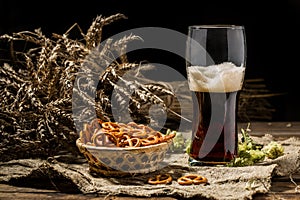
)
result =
(282, 187)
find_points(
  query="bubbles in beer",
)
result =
(224, 77)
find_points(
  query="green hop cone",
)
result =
(273, 150)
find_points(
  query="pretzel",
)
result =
(127, 141)
(167, 137)
(140, 133)
(99, 139)
(152, 139)
(134, 142)
(135, 125)
(99, 133)
(112, 138)
(110, 125)
(160, 179)
(192, 179)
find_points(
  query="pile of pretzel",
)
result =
(109, 134)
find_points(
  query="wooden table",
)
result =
(282, 187)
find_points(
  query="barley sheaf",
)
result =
(36, 88)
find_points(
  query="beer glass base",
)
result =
(194, 162)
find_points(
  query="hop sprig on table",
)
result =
(250, 152)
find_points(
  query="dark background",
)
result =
(272, 32)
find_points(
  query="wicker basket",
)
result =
(117, 161)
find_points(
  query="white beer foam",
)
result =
(224, 77)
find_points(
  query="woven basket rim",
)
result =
(78, 141)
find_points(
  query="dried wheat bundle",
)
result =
(37, 109)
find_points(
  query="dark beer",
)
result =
(215, 63)
(214, 131)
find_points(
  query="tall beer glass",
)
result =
(215, 64)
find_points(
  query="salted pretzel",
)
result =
(192, 179)
(160, 179)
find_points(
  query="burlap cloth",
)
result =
(224, 182)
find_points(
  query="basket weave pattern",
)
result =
(118, 161)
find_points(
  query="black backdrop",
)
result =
(272, 32)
